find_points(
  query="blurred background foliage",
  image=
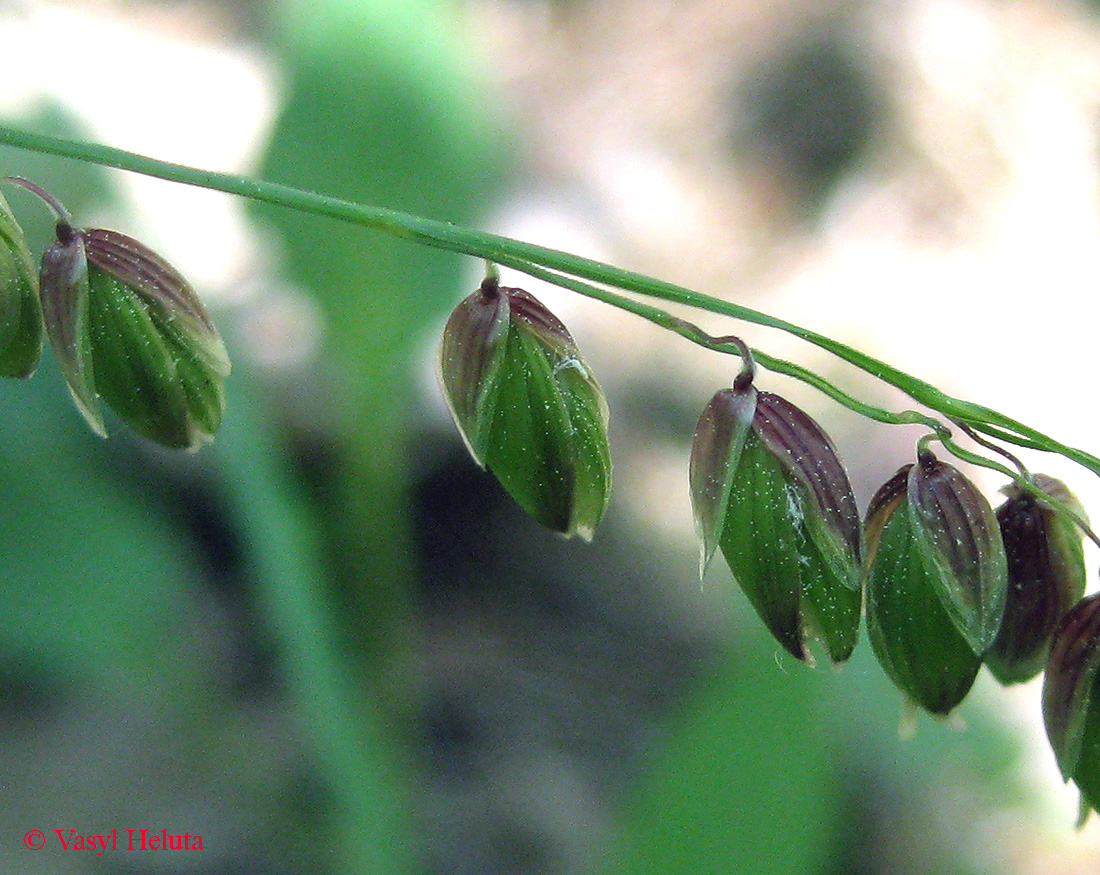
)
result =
(328, 643)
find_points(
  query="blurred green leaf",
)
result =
(746, 782)
(382, 108)
(76, 589)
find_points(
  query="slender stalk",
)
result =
(506, 251)
(997, 448)
(56, 207)
(747, 373)
(695, 334)
(356, 757)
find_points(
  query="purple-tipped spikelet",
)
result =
(936, 581)
(130, 332)
(768, 488)
(528, 407)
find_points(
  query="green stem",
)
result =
(1023, 480)
(356, 756)
(692, 332)
(506, 251)
(60, 214)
